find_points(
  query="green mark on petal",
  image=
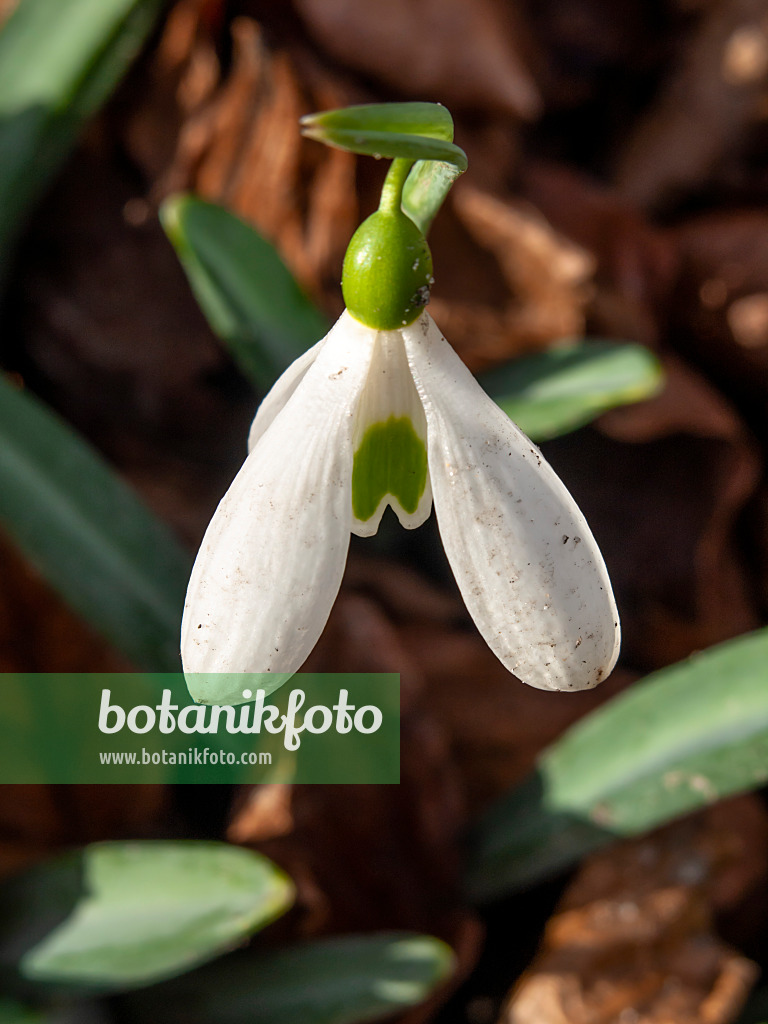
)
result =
(391, 460)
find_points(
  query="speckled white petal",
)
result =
(280, 392)
(526, 563)
(272, 559)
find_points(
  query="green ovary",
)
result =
(391, 460)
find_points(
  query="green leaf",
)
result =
(59, 61)
(429, 119)
(682, 738)
(559, 390)
(416, 131)
(151, 910)
(425, 190)
(88, 533)
(245, 290)
(332, 981)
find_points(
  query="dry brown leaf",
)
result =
(704, 109)
(633, 938)
(636, 263)
(233, 137)
(182, 74)
(465, 54)
(548, 280)
(264, 813)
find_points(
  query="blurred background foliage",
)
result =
(604, 256)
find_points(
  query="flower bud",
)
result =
(387, 271)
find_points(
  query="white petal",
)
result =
(277, 396)
(527, 565)
(390, 393)
(272, 559)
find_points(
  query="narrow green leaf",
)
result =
(151, 910)
(425, 190)
(332, 981)
(245, 290)
(682, 738)
(89, 534)
(58, 63)
(430, 119)
(559, 390)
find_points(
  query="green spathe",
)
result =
(387, 271)
(391, 460)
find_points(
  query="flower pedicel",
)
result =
(383, 412)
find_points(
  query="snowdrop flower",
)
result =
(383, 412)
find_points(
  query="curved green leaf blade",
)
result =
(331, 981)
(58, 63)
(416, 118)
(151, 910)
(682, 738)
(89, 534)
(245, 290)
(553, 392)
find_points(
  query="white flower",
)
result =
(368, 418)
